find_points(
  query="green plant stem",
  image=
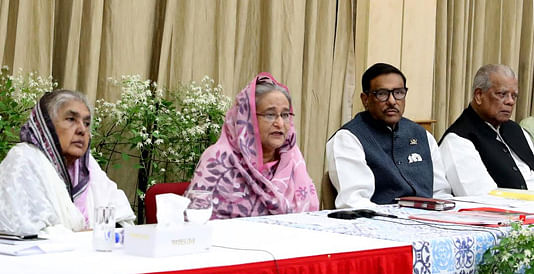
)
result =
(115, 145)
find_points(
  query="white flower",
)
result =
(184, 116)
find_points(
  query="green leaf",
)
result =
(140, 193)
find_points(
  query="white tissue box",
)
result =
(153, 241)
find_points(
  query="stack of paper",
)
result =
(478, 216)
(33, 246)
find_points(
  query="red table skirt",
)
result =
(385, 260)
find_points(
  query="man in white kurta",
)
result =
(483, 149)
(379, 155)
(355, 181)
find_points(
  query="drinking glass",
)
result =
(104, 228)
(200, 208)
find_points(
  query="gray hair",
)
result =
(482, 78)
(266, 87)
(57, 98)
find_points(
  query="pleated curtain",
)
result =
(470, 34)
(307, 45)
(317, 48)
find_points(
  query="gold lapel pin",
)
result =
(413, 141)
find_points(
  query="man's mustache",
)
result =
(392, 108)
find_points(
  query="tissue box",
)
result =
(153, 241)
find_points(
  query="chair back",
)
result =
(161, 188)
(528, 125)
(328, 193)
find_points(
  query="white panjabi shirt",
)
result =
(465, 170)
(355, 181)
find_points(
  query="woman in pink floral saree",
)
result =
(256, 168)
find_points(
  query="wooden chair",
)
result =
(161, 188)
(328, 193)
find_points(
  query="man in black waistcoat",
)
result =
(379, 155)
(483, 149)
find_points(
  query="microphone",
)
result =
(371, 213)
(358, 213)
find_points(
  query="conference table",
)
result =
(308, 242)
(239, 246)
(436, 247)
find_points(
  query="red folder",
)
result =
(524, 217)
(484, 216)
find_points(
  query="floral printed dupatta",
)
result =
(233, 167)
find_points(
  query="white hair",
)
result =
(57, 98)
(482, 78)
(266, 87)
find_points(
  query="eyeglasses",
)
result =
(271, 117)
(383, 94)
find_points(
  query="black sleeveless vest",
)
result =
(495, 155)
(400, 159)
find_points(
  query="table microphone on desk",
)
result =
(358, 213)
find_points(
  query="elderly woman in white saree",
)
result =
(50, 178)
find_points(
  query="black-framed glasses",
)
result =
(383, 94)
(271, 116)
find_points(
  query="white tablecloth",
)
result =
(437, 248)
(282, 242)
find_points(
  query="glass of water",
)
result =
(104, 228)
(200, 209)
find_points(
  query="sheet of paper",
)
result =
(518, 205)
(22, 248)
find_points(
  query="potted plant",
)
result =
(165, 129)
(513, 254)
(18, 94)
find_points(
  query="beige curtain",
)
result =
(306, 44)
(316, 47)
(470, 34)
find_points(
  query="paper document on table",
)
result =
(516, 194)
(22, 248)
(478, 216)
(520, 205)
(455, 218)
